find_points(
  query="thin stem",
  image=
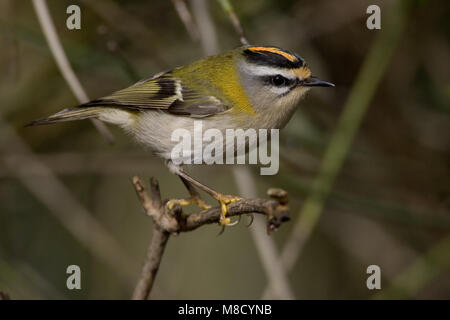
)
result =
(207, 30)
(63, 63)
(155, 252)
(228, 8)
(186, 17)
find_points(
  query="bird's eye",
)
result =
(278, 80)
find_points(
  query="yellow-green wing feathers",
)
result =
(165, 92)
(158, 92)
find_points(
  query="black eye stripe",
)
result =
(278, 81)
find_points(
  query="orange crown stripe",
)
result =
(276, 51)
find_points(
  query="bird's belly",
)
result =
(186, 140)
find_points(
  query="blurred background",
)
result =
(383, 171)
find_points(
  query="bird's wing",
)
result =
(164, 93)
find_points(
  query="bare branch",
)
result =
(152, 261)
(174, 221)
(152, 207)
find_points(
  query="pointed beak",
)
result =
(314, 82)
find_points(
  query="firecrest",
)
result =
(249, 87)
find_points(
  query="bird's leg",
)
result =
(223, 199)
(193, 199)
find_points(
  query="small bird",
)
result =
(249, 87)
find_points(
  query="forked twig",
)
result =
(167, 222)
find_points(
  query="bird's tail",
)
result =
(69, 114)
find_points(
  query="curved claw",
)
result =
(225, 222)
(252, 217)
(232, 223)
(221, 230)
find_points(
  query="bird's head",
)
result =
(274, 78)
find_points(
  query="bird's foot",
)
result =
(250, 215)
(225, 199)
